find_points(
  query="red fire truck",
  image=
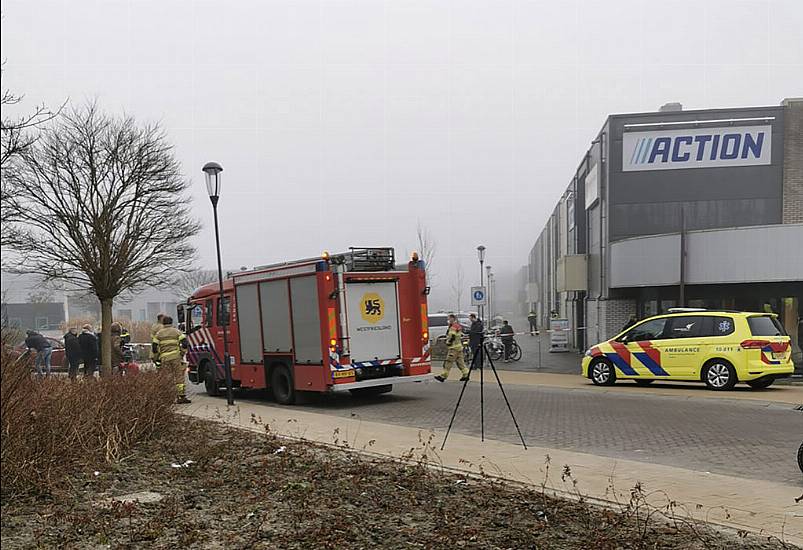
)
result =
(354, 321)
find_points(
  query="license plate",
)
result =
(778, 356)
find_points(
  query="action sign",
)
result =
(697, 148)
(478, 296)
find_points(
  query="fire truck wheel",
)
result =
(372, 391)
(281, 385)
(210, 384)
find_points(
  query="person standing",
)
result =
(117, 347)
(72, 352)
(507, 339)
(155, 328)
(475, 335)
(89, 349)
(454, 343)
(532, 318)
(168, 347)
(43, 349)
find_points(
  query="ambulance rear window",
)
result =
(765, 325)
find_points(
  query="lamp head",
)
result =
(213, 170)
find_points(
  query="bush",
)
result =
(54, 427)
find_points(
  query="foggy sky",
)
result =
(342, 123)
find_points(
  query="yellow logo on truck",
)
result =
(372, 307)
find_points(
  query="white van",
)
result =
(438, 326)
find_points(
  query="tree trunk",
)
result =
(106, 335)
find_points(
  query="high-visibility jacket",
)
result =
(155, 328)
(454, 337)
(169, 343)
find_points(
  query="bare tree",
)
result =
(41, 295)
(187, 282)
(101, 207)
(426, 247)
(459, 286)
(17, 135)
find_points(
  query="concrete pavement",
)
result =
(752, 504)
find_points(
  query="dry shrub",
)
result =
(54, 427)
(79, 322)
(140, 330)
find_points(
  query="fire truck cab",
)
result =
(353, 321)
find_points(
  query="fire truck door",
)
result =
(373, 320)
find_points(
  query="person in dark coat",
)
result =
(507, 339)
(43, 349)
(475, 335)
(72, 351)
(89, 350)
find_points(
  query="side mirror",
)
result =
(180, 313)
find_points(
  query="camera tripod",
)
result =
(478, 359)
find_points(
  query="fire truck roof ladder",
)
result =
(356, 259)
(370, 259)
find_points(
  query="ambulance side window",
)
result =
(686, 327)
(718, 326)
(649, 330)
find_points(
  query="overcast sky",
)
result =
(342, 123)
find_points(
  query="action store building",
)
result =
(697, 208)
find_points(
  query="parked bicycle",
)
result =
(496, 349)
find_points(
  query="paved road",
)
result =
(541, 360)
(747, 439)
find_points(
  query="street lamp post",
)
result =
(213, 170)
(490, 296)
(481, 256)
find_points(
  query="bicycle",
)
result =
(515, 351)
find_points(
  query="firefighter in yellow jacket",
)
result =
(454, 342)
(155, 328)
(168, 347)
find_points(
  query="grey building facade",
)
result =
(698, 208)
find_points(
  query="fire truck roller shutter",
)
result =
(248, 322)
(275, 316)
(306, 320)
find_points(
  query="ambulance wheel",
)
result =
(719, 375)
(210, 384)
(373, 391)
(761, 383)
(602, 373)
(643, 381)
(281, 385)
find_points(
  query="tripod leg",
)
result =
(482, 403)
(460, 398)
(509, 408)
